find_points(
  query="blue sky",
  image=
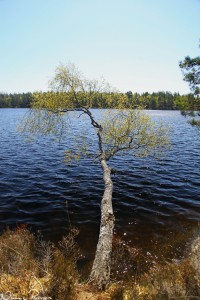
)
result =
(135, 44)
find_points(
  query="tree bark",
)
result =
(100, 274)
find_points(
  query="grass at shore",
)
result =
(32, 268)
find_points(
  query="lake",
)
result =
(156, 201)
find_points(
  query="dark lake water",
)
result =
(156, 202)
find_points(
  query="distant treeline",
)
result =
(15, 100)
(156, 100)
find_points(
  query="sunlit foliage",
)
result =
(133, 131)
(121, 129)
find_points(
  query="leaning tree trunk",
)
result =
(100, 274)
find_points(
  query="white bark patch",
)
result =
(100, 274)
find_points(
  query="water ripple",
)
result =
(153, 199)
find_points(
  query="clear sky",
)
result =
(135, 44)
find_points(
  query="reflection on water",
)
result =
(155, 201)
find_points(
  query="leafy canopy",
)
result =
(118, 130)
(191, 71)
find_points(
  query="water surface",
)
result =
(156, 202)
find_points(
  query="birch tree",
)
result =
(120, 131)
